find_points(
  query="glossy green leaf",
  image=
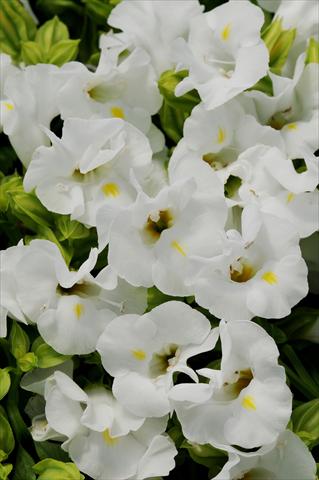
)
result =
(5, 381)
(50, 469)
(6, 436)
(19, 341)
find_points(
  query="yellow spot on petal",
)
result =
(117, 112)
(221, 135)
(270, 277)
(111, 441)
(226, 32)
(178, 247)
(8, 105)
(292, 126)
(248, 403)
(78, 309)
(139, 354)
(111, 190)
(290, 197)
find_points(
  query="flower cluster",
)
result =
(188, 153)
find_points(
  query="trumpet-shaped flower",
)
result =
(124, 89)
(144, 352)
(103, 439)
(288, 458)
(224, 53)
(213, 141)
(270, 180)
(247, 403)
(263, 272)
(160, 27)
(29, 107)
(293, 109)
(58, 300)
(88, 167)
(154, 240)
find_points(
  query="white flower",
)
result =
(9, 260)
(224, 53)
(160, 26)
(90, 166)
(269, 179)
(247, 403)
(103, 439)
(262, 273)
(213, 141)
(125, 89)
(288, 458)
(70, 308)
(154, 240)
(30, 105)
(293, 109)
(143, 352)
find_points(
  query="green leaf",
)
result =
(16, 26)
(23, 466)
(63, 52)
(5, 470)
(312, 52)
(31, 53)
(155, 297)
(27, 362)
(68, 229)
(30, 210)
(205, 455)
(167, 84)
(279, 43)
(231, 186)
(51, 32)
(47, 357)
(305, 422)
(19, 341)
(6, 436)
(49, 449)
(98, 10)
(175, 110)
(5, 381)
(50, 469)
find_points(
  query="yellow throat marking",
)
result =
(117, 112)
(221, 135)
(78, 309)
(111, 441)
(226, 32)
(139, 354)
(178, 247)
(292, 126)
(270, 277)
(248, 403)
(110, 190)
(8, 105)
(290, 197)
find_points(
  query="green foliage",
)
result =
(5, 381)
(6, 436)
(305, 422)
(16, 27)
(50, 469)
(279, 43)
(5, 470)
(175, 110)
(51, 45)
(23, 466)
(19, 341)
(312, 52)
(46, 356)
